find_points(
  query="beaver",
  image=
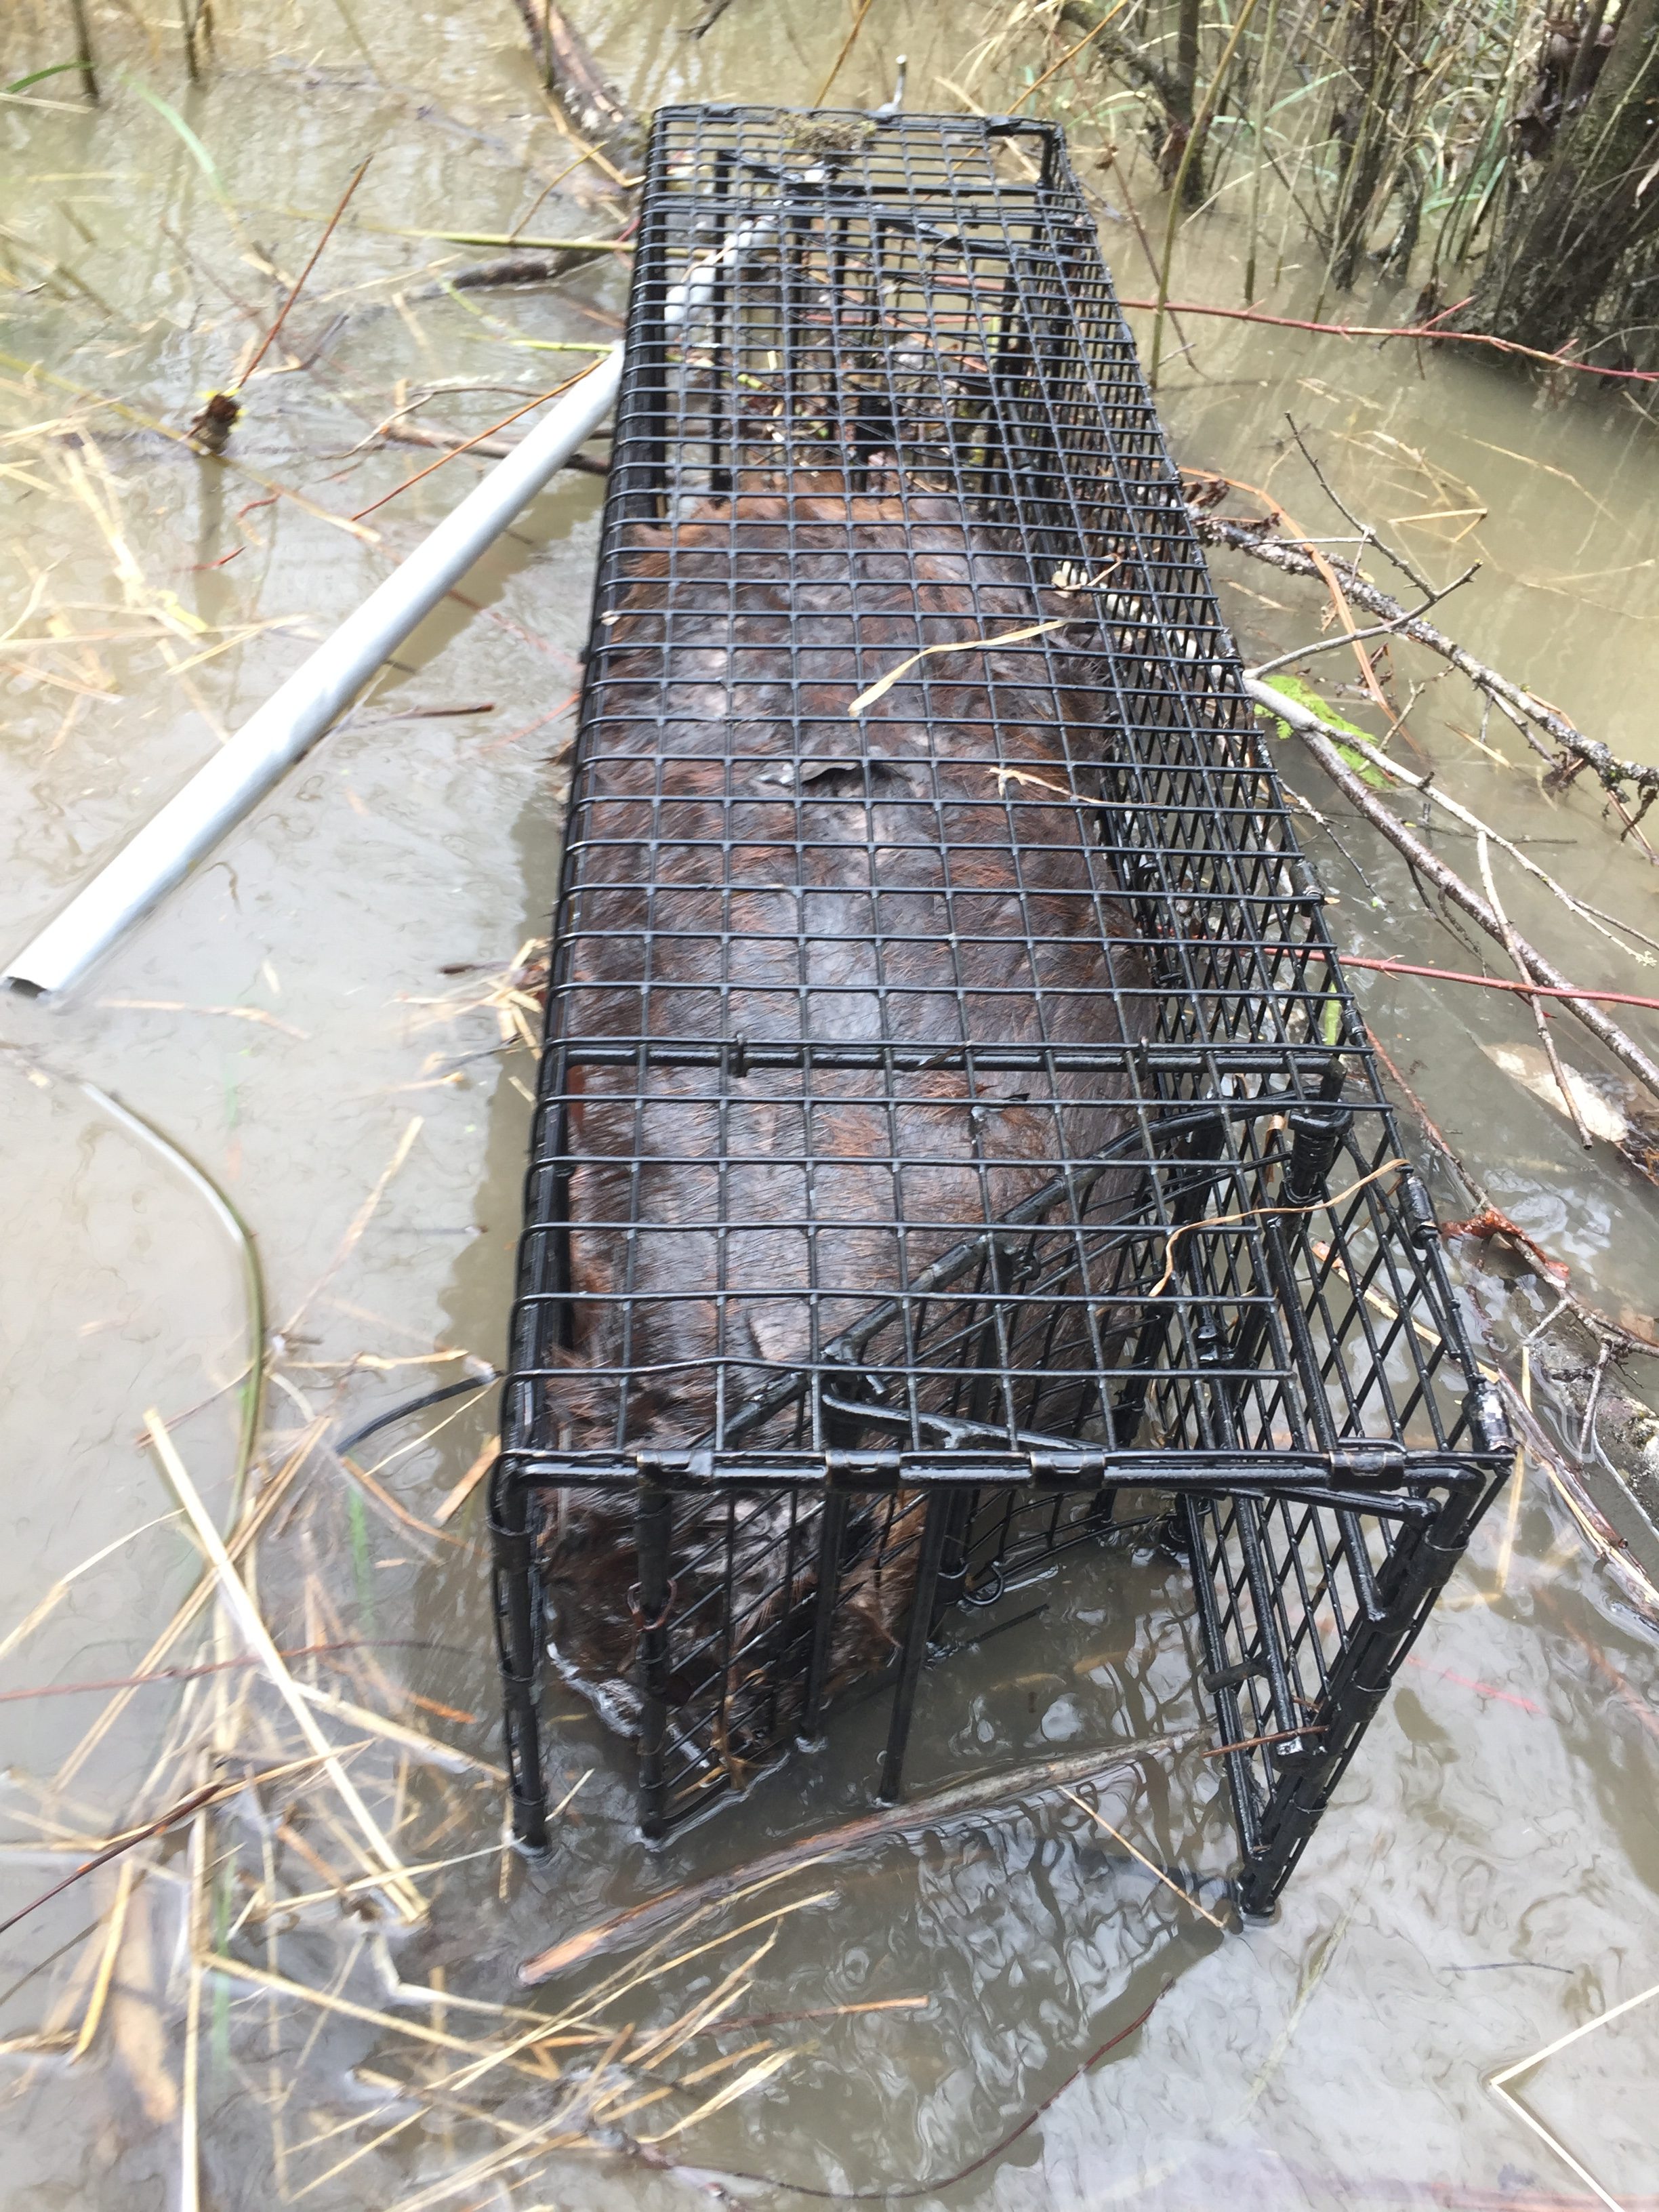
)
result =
(751, 865)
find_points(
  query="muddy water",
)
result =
(1485, 1881)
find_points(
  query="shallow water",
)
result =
(1483, 1883)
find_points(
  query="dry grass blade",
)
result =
(190, 2109)
(468, 1483)
(233, 1591)
(952, 644)
(137, 2032)
(1259, 1212)
(655, 2050)
(411, 1740)
(762, 2070)
(607, 1994)
(847, 46)
(274, 1907)
(1498, 2084)
(1185, 1896)
(1070, 54)
(883, 685)
(219, 1962)
(235, 1013)
(269, 1498)
(360, 1221)
(112, 1935)
(364, 1478)
(60, 1590)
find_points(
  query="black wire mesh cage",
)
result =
(951, 1113)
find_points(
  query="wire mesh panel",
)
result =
(951, 1110)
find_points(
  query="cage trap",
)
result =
(951, 1111)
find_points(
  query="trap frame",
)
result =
(1219, 1282)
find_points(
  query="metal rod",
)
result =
(513, 1574)
(832, 1530)
(934, 1527)
(654, 1527)
(291, 720)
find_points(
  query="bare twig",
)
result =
(464, 446)
(573, 76)
(83, 53)
(847, 46)
(1530, 990)
(1381, 331)
(1587, 1427)
(1368, 535)
(1431, 791)
(1070, 55)
(1327, 572)
(1553, 1274)
(1528, 711)
(298, 286)
(1569, 1101)
(1378, 629)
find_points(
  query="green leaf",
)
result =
(197, 151)
(1305, 696)
(39, 76)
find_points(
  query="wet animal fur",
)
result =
(695, 676)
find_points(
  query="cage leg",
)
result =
(517, 1648)
(1250, 1888)
(915, 1642)
(953, 1554)
(1413, 1582)
(832, 1530)
(653, 1536)
(1103, 1507)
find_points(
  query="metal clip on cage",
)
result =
(952, 1113)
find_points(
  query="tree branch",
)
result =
(1379, 629)
(1141, 66)
(1517, 703)
(1323, 742)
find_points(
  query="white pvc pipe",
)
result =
(219, 794)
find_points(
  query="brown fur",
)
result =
(877, 799)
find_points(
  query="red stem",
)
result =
(1497, 983)
(1394, 330)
